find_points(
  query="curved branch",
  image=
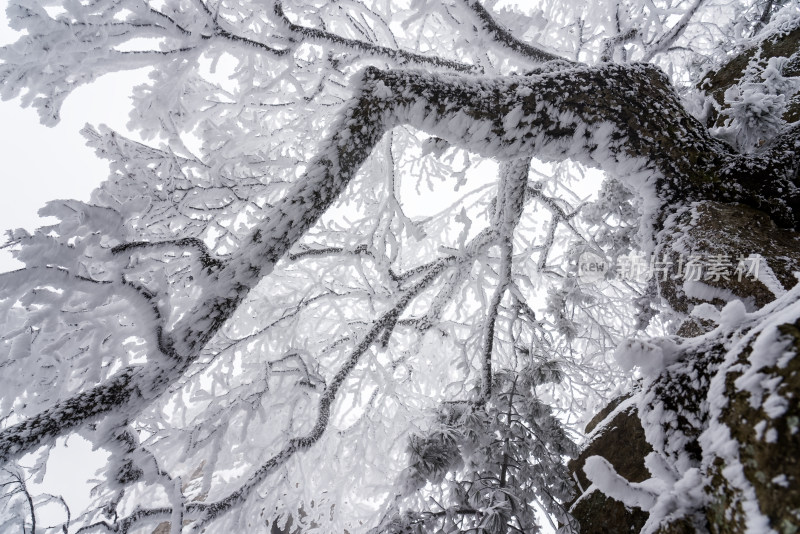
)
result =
(584, 114)
(207, 259)
(663, 42)
(203, 513)
(19, 480)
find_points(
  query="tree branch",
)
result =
(24, 437)
(505, 38)
(666, 40)
(716, 82)
(207, 260)
(610, 44)
(765, 17)
(203, 513)
(401, 57)
(510, 203)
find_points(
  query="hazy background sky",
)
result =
(41, 163)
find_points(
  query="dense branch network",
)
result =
(559, 111)
(548, 115)
(544, 115)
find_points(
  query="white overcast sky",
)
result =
(40, 163)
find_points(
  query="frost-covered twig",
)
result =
(15, 486)
(610, 44)
(765, 17)
(207, 259)
(505, 38)
(510, 202)
(400, 57)
(203, 513)
(665, 40)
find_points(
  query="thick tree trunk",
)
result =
(694, 405)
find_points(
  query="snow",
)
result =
(767, 349)
(732, 315)
(775, 405)
(771, 436)
(602, 475)
(701, 291)
(781, 481)
(759, 429)
(706, 311)
(650, 356)
(187, 326)
(756, 105)
(623, 406)
(766, 276)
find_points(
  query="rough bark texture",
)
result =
(564, 109)
(598, 514)
(620, 440)
(771, 465)
(767, 443)
(716, 230)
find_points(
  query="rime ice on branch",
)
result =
(246, 316)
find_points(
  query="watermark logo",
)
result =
(694, 267)
(592, 268)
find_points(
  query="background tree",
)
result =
(257, 321)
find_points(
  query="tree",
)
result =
(249, 319)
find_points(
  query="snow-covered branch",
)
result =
(664, 41)
(400, 57)
(546, 115)
(280, 281)
(504, 38)
(206, 258)
(203, 513)
(509, 205)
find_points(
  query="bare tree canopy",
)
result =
(335, 274)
